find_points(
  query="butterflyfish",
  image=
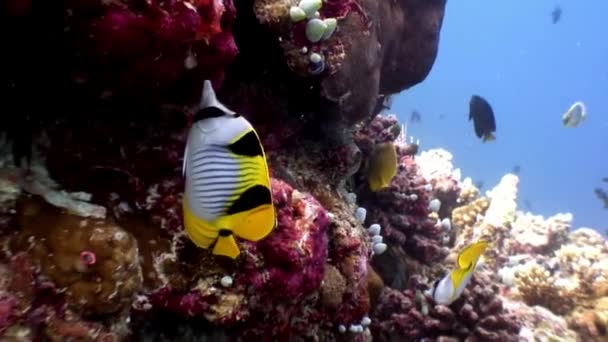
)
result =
(382, 166)
(447, 289)
(482, 115)
(227, 192)
(575, 115)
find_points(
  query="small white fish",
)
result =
(575, 115)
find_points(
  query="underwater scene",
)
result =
(303, 170)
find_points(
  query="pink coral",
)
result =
(128, 50)
(478, 315)
(277, 273)
(7, 310)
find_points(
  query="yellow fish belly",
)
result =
(201, 232)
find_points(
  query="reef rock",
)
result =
(478, 314)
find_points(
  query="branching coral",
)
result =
(537, 286)
(585, 260)
(466, 216)
(496, 223)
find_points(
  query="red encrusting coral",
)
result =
(149, 52)
(478, 315)
(276, 275)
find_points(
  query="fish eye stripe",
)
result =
(248, 145)
(208, 112)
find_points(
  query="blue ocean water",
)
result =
(531, 71)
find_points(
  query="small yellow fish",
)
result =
(382, 166)
(227, 190)
(447, 289)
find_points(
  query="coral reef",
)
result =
(533, 234)
(478, 314)
(536, 286)
(539, 323)
(154, 51)
(92, 236)
(402, 209)
(95, 261)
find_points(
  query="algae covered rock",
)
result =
(95, 261)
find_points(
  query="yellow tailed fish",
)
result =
(447, 289)
(382, 166)
(227, 180)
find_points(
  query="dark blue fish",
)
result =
(415, 116)
(556, 14)
(482, 115)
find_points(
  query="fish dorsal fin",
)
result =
(209, 99)
(471, 254)
(458, 276)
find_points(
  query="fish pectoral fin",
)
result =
(257, 224)
(227, 246)
(185, 160)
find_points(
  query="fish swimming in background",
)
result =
(556, 14)
(382, 166)
(227, 190)
(575, 115)
(447, 289)
(482, 115)
(415, 116)
(602, 195)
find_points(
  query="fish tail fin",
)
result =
(226, 245)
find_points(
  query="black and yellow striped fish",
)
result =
(227, 181)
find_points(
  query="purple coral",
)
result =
(477, 314)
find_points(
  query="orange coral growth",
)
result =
(54, 241)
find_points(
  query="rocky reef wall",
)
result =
(93, 247)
